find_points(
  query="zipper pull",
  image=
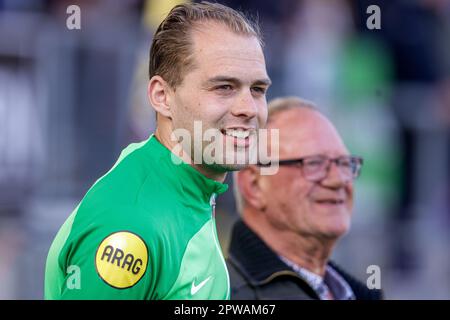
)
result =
(212, 200)
(212, 203)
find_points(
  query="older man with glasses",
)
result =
(292, 220)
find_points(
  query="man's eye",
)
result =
(225, 87)
(259, 90)
(347, 163)
(314, 163)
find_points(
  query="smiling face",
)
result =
(225, 90)
(320, 209)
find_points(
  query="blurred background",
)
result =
(71, 100)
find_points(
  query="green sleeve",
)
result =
(109, 257)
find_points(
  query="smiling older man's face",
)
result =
(322, 208)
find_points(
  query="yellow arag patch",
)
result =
(121, 259)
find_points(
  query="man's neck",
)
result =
(206, 171)
(209, 173)
(310, 252)
(307, 252)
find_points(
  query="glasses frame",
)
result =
(300, 161)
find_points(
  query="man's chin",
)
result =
(338, 230)
(227, 167)
(229, 162)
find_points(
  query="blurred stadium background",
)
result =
(70, 100)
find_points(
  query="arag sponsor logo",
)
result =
(121, 259)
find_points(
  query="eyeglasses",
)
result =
(316, 168)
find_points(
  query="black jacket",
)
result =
(256, 272)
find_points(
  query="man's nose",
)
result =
(245, 106)
(335, 178)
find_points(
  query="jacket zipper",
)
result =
(212, 203)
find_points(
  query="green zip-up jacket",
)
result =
(145, 230)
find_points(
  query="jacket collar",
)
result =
(255, 259)
(260, 264)
(194, 186)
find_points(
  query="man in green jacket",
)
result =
(146, 229)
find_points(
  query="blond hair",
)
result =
(171, 51)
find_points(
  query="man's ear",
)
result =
(159, 95)
(249, 183)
